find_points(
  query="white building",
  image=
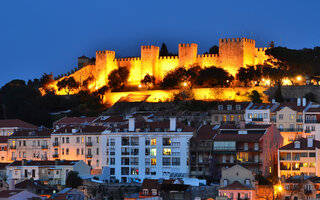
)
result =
(51, 172)
(153, 150)
(259, 112)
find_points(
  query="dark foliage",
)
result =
(164, 51)
(73, 179)
(148, 80)
(68, 84)
(118, 78)
(255, 96)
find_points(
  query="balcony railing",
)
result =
(13, 147)
(13, 158)
(257, 119)
(312, 121)
(89, 155)
(290, 129)
(55, 155)
(224, 148)
(134, 163)
(299, 120)
(89, 144)
(55, 144)
(307, 131)
(44, 147)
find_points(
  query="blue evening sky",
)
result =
(39, 36)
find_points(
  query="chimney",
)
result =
(304, 102)
(12, 183)
(131, 124)
(302, 177)
(298, 102)
(273, 101)
(173, 124)
(310, 141)
(242, 124)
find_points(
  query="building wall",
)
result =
(237, 173)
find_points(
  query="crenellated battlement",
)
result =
(105, 52)
(261, 49)
(188, 45)
(227, 40)
(208, 56)
(168, 57)
(128, 59)
(149, 47)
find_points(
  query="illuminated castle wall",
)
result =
(233, 54)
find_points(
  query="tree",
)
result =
(310, 96)
(73, 179)
(68, 84)
(214, 76)
(87, 81)
(164, 51)
(174, 77)
(255, 96)
(148, 80)
(118, 78)
(214, 50)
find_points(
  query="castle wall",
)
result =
(260, 55)
(248, 51)
(105, 63)
(207, 60)
(187, 54)
(167, 63)
(134, 66)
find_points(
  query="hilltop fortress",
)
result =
(233, 54)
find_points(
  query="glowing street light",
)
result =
(140, 86)
(299, 78)
(268, 82)
(184, 83)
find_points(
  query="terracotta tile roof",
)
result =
(238, 137)
(152, 126)
(83, 129)
(109, 119)
(261, 106)
(303, 145)
(291, 105)
(236, 185)
(74, 120)
(43, 162)
(9, 193)
(6, 123)
(296, 179)
(205, 132)
(150, 184)
(247, 126)
(32, 133)
(4, 139)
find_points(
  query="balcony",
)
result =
(290, 129)
(44, 147)
(89, 144)
(55, 155)
(299, 120)
(312, 121)
(134, 163)
(13, 158)
(125, 153)
(55, 144)
(89, 156)
(257, 119)
(307, 191)
(13, 147)
(224, 148)
(307, 131)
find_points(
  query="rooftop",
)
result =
(74, 120)
(32, 133)
(83, 129)
(303, 145)
(261, 106)
(205, 132)
(44, 162)
(291, 105)
(8, 123)
(236, 185)
(154, 127)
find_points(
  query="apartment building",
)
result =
(83, 142)
(49, 172)
(3, 149)
(312, 120)
(250, 145)
(259, 113)
(153, 150)
(9, 126)
(299, 156)
(30, 144)
(237, 183)
(229, 112)
(201, 152)
(109, 121)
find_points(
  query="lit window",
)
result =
(145, 191)
(153, 152)
(153, 161)
(166, 151)
(153, 142)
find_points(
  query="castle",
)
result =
(233, 54)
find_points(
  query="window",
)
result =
(166, 161)
(220, 107)
(296, 144)
(67, 140)
(57, 172)
(265, 115)
(97, 139)
(166, 151)
(291, 116)
(231, 118)
(245, 146)
(147, 152)
(112, 171)
(147, 171)
(63, 140)
(291, 126)
(175, 161)
(112, 161)
(78, 151)
(153, 142)
(153, 152)
(81, 151)
(145, 191)
(147, 142)
(24, 143)
(112, 142)
(229, 107)
(256, 146)
(153, 161)
(247, 182)
(82, 139)
(78, 140)
(62, 151)
(166, 142)
(154, 192)
(97, 163)
(225, 182)
(97, 151)
(238, 107)
(280, 116)
(250, 115)
(67, 151)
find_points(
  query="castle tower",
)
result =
(235, 53)
(187, 54)
(149, 61)
(105, 63)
